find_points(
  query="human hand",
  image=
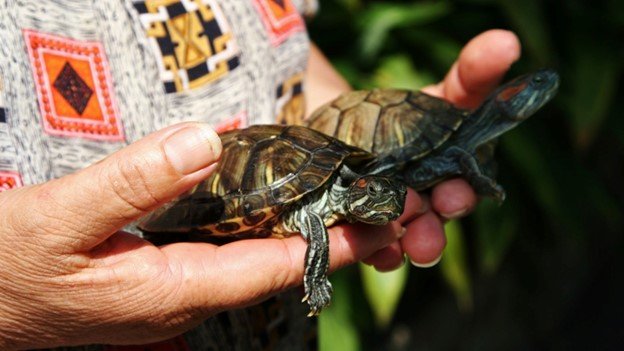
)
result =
(481, 65)
(69, 276)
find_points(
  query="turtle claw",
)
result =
(318, 297)
(500, 195)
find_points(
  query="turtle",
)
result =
(422, 140)
(274, 181)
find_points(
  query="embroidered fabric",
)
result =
(96, 76)
(82, 79)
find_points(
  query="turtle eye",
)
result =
(371, 190)
(538, 79)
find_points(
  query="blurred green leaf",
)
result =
(442, 49)
(616, 11)
(351, 74)
(399, 72)
(352, 5)
(595, 72)
(381, 17)
(383, 291)
(530, 23)
(496, 227)
(337, 330)
(455, 266)
(531, 155)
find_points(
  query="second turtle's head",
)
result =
(376, 200)
(523, 96)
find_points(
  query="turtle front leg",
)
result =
(453, 162)
(317, 287)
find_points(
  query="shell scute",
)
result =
(304, 138)
(357, 125)
(325, 119)
(271, 162)
(227, 227)
(350, 99)
(387, 97)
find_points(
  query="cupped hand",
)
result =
(69, 276)
(480, 67)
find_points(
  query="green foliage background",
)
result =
(543, 271)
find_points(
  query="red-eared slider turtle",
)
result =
(423, 140)
(279, 180)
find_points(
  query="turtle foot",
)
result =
(318, 297)
(495, 192)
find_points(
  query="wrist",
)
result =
(27, 321)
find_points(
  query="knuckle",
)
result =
(131, 184)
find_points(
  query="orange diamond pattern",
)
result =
(281, 19)
(9, 180)
(236, 122)
(73, 85)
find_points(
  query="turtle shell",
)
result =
(263, 170)
(398, 125)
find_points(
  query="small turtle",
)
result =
(273, 181)
(423, 140)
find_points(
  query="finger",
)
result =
(424, 240)
(245, 272)
(415, 205)
(387, 259)
(453, 198)
(83, 209)
(481, 65)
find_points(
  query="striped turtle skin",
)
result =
(273, 181)
(423, 140)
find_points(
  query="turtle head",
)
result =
(375, 199)
(523, 96)
(510, 104)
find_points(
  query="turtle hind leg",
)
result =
(317, 287)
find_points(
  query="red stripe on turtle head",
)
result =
(361, 183)
(511, 91)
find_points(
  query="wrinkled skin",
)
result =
(70, 275)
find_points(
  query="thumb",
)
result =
(84, 208)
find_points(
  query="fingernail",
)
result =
(456, 214)
(386, 270)
(401, 232)
(427, 264)
(192, 148)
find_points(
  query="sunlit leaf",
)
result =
(383, 291)
(455, 266)
(337, 330)
(381, 17)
